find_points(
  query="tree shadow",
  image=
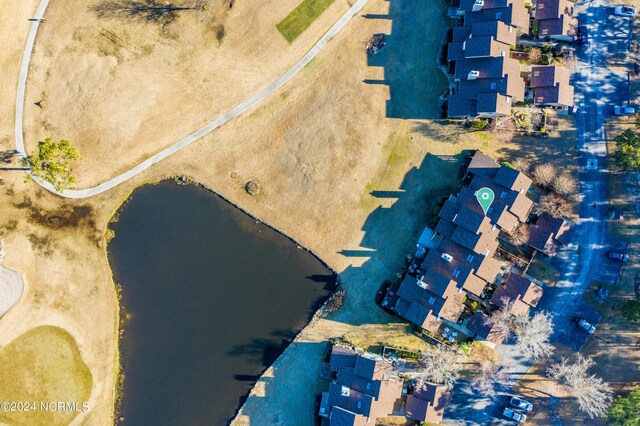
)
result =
(139, 10)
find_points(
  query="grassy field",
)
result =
(43, 365)
(301, 18)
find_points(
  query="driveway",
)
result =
(597, 90)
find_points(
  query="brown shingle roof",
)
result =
(341, 417)
(467, 5)
(482, 164)
(515, 13)
(478, 324)
(428, 404)
(493, 103)
(512, 179)
(474, 284)
(551, 85)
(342, 356)
(550, 9)
(498, 30)
(483, 46)
(372, 369)
(488, 269)
(459, 107)
(547, 234)
(364, 390)
(520, 290)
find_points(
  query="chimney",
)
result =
(473, 75)
(345, 391)
(447, 257)
(479, 4)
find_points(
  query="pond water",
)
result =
(212, 297)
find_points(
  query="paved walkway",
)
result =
(204, 130)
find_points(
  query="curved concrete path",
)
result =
(206, 129)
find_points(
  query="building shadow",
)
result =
(410, 58)
(390, 233)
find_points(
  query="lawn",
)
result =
(543, 271)
(301, 18)
(43, 365)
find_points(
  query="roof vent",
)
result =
(479, 4)
(447, 257)
(421, 283)
(473, 75)
(345, 391)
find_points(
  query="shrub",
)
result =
(631, 310)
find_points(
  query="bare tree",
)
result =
(439, 365)
(555, 205)
(535, 55)
(521, 164)
(490, 374)
(520, 235)
(565, 184)
(532, 335)
(544, 174)
(502, 320)
(592, 393)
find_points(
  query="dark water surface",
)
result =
(213, 297)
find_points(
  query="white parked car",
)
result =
(620, 110)
(585, 325)
(514, 415)
(624, 11)
(522, 404)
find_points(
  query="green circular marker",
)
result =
(485, 197)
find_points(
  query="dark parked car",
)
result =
(618, 256)
(583, 36)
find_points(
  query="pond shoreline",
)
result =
(109, 233)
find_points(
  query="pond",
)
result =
(212, 299)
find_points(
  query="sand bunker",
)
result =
(11, 288)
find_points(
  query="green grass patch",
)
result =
(43, 365)
(301, 18)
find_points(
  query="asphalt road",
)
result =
(204, 130)
(598, 89)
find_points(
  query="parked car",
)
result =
(514, 415)
(585, 325)
(622, 110)
(520, 403)
(583, 36)
(618, 256)
(624, 11)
